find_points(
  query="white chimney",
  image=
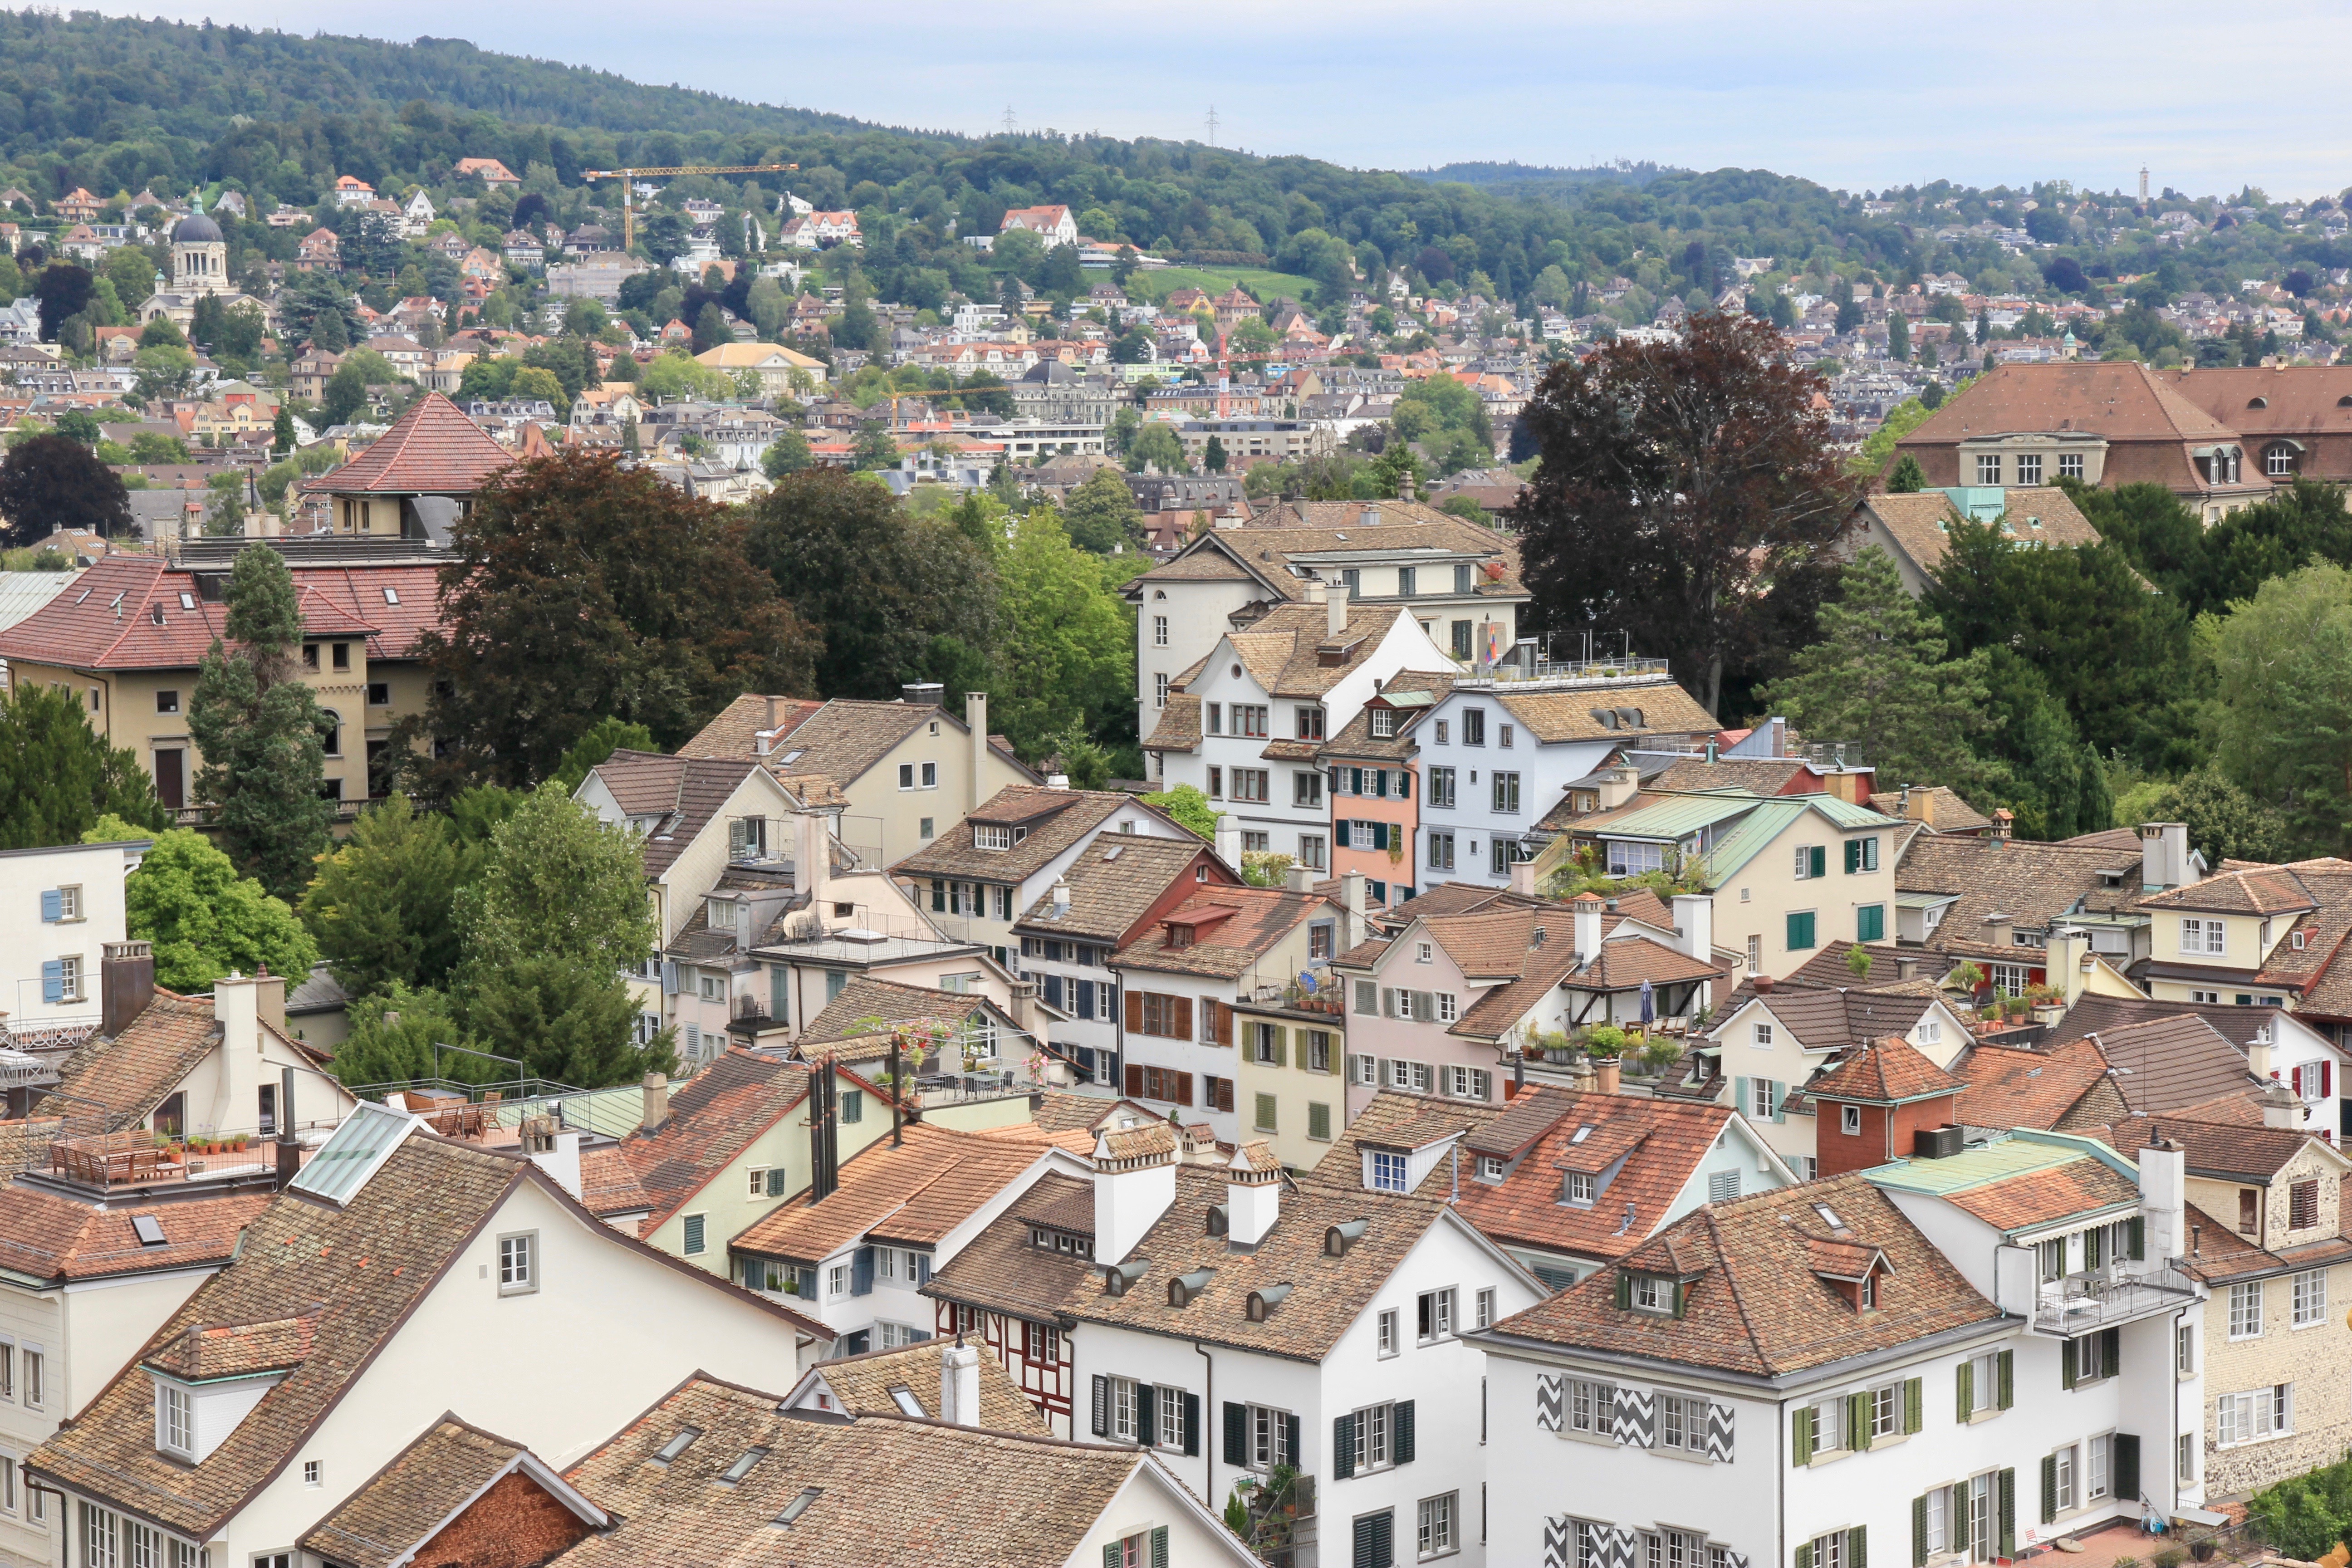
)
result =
(1057, 781)
(1335, 609)
(2258, 1054)
(1229, 840)
(975, 714)
(1253, 1193)
(2069, 955)
(2163, 1198)
(562, 1162)
(1061, 898)
(959, 1385)
(1523, 878)
(236, 1007)
(2281, 1109)
(1587, 908)
(1299, 879)
(1351, 899)
(2163, 855)
(812, 858)
(1695, 920)
(657, 1101)
(1135, 1182)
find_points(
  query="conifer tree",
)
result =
(58, 777)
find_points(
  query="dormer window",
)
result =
(1577, 1188)
(1490, 1167)
(1180, 935)
(987, 837)
(1383, 723)
(1660, 1295)
(175, 1420)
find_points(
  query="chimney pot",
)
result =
(1606, 1074)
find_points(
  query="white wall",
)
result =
(1147, 1502)
(27, 942)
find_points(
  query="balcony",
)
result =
(137, 1160)
(2085, 1303)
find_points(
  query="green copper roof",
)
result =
(2010, 1154)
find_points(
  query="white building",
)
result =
(60, 908)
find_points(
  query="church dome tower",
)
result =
(199, 257)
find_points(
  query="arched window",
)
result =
(333, 731)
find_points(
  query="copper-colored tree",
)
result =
(579, 589)
(1688, 498)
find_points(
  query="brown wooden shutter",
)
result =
(1181, 1027)
(1135, 1083)
(1183, 1088)
(1225, 1023)
(1135, 1012)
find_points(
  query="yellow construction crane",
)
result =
(628, 178)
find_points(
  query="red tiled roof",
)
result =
(1885, 1072)
(432, 449)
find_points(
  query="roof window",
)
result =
(678, 1443)
(1581, 1133)
(799, 1505)
(742, 1464)
(392, 595)
(1185, 1287)
(904, 1398)
(149, 1231)
(1829, 1217)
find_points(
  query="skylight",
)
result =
(1581, 1133)
(679, 1444)
(800, 1505)
(742, 1466)
(354, 1152)
(146, 1229)
(392, 595)
(1829, 1217)
(904, 1398)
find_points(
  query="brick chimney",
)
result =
(656, 1102)
(126, 984)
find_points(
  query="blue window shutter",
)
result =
(1339, 834)
(861, 1272)
(1739, 1100)
(780, 994)
(1380, 834)
(669, 978)
(1085, 999)
(1404, 784)
(53, 980)
(53, 905)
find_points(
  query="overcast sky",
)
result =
(1855, 95)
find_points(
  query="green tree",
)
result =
(58, 776)
(1907, 477)
(206, 920)
(54, 481)
(2225, 823)
(1879, 680)
(603, 738)
(380, 907)
(787, 454)
(154, 446)
(1213, 455)
(900, 598)
(259, 730)
(873, 448)
(1898, 337)
(1157, 446)
(566, 1020)
(1189, 806)
(2281, 715)
(1101, 513)
(1878, 450)
(393, 1033)
(1068, 646)
(710, 329)
(657, 618)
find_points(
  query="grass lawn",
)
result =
(1266, 285)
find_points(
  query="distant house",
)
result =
(351, 193)
(489, 171)
(319, 250)
(1054, 225)
(773, 365)
(1915, 529)
(821, 231)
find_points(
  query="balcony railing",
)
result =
(135, 1157)
(2080, 1304)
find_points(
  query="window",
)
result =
(2246, 1310)
(1216, 718)
(1861, 855)
(1160, 690)
(2310, 1290)
(1722, 1186)
(1763, 1099)
(167, 702)
(2184, 1350)
(1436, 1528)
(1249, 720)
(1408, 580)
(1386, 1324)
(2070, 465)
(1309, 721)
(1441, 850)
(2302, 1205)
(1988, 468)
(1870, 922)
(1800, 930)
(697, 1238)
(1216, 783)
(2065, 1483)
(1474, 726)
(1413, 1078)
(518, 1263)
(36, 1378)
(1307, 787)
(1579, 1187)
(175, 1419)
(1441, 788)
(1376, 1431)
(1383, 721)
(1465, 1083)
(2278, 462)
(1850, 1119)
(1460, 631)
(1250, 783)
(2253, 1415)
(2029, 468)
(379, 694)
(1504, 734)
(309, 656)
(1387, 1172)
(1435, 1315)
(2201, 936)
(1364, 1071)
(1160, 631)
(1506, 793)
(1812, 860)
(310, 1469)
(1310, 845)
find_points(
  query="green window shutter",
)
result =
(1857, 1422)
(1236, 1434)
(2049, 1489)
(1780, 1102)
(1820, 861)
(2067, 1364)
(2111, 1342)
(1114, 1554)
(1682, 1298)
(1869, 923)
(1739, 1100)
(1800, 931)
(938, 896)
(2007, 1396)
(2093, 1245)
(1913, 1388)
(1146, 1407)
(1266, 1113)
(2138, 1237)
(2127, 1467)
(1800, 1436)
(1852, 855)
(1802, 1557)
(1624, 1291)
(1281, 1045)
(1319, 1122)
(1401, 1432)
(1967, 1381)
(1193, 1424)
(1919, 1532)
(1857, 1547)
(2008, 1543)
(1159, 1547)
(1343, 1446)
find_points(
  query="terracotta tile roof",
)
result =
(138, 612)
(2045, 1196)
(1063, 1110)
(1920, 523)
(1308, 528)
(713, 1116)
(1553, 716)
(1050, 821)
(2063, 1087)
(2035, 884)
(1663, 1141)
(52, 1237)
(1757, 776)
(1179, 729)
(1886, 1071)
(999, 1272)
(202, 1351)
(2254, 890)
(1948, 813)
(404, 1504)
(844, 739)
(868, 1007)
(2226, 1150)
(1405, 693)
(2150, 426)
(2168, 1063)
(131, 1073)
(609, 1184)
(2302, 400)
(1626, 961)
(863, 1385)
(2093, 1015)
(1260, 918)
(432, 449)
(1756, 1303)
(888, 1490)
(733, 733)
(914, 1195)
(683, 795)
(1820, 1018)
(1115, 882)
